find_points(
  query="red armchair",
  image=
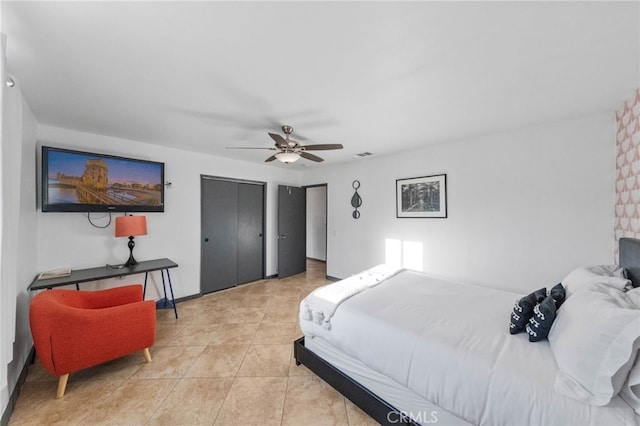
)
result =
(73, 329)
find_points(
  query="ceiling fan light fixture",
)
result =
(287, 157)
(290, 150)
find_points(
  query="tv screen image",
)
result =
(75, 181)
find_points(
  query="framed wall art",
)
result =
(424, 196)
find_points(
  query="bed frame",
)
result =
(377, 408)
(364, 399)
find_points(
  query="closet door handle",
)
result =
(206, 240)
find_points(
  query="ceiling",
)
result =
(373, 76)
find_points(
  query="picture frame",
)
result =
(422, 197)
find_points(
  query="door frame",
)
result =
(264, 212)
(326, 225)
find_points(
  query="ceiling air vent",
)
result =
(364, 154)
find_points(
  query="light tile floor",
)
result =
(228, 359)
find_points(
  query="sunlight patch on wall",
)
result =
(393, 252)
(405, 254)
(412, 255)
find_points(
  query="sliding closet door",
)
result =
(219, 263)
(250, 232)
(232, 233)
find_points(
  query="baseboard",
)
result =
(317, 260)
(193, 296)
(334, 279)
(13, 398)
(270, 277)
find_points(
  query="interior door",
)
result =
(292, 244)
(219, 263)
(250, 240)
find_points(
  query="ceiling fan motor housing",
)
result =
(287, 130)
(290, 143)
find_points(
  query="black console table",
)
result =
(79, 276)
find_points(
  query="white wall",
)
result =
(317, 222)
(25, 238)
(525, 207)
(67, 239)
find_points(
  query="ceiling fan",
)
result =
(291, 150)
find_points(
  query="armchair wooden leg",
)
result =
(62, 385)
(147, 354)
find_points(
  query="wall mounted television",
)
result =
(76, 181)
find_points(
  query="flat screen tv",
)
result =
(75, 181)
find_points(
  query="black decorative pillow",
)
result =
(558, 294)
(523, 310)
(544, 314)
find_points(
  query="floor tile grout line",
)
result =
(162, 402)
(235, 377)
(284, 400)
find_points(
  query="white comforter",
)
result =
(450, 343)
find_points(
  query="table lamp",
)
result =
(130, 226)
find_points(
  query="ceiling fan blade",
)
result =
(322, 147)
(248, 147)
(279, 139)
(273, 157)
(311, 157)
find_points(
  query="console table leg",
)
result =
(173, 299)
(165, 303)
(144, 290)
(164, 288)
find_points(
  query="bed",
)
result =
(412, 349)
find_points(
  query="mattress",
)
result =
(410, 404)
(448, 345)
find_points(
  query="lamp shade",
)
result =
(288, 157)
(130, 226)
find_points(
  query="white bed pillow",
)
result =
(581, 278)
(594, 340)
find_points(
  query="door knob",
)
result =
(283, 237)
